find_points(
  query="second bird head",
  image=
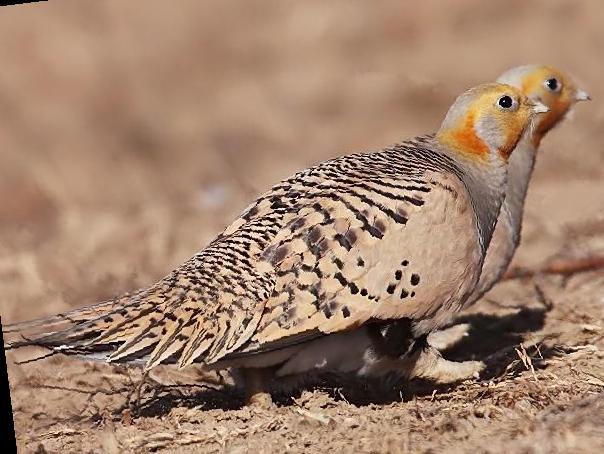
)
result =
(549, 86)
(486, 122)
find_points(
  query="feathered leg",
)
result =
(424, 361)
(429, 364)
(448, 337)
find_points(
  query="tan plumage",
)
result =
(398, 234)
(559, 93)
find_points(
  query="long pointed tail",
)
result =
(65, 330)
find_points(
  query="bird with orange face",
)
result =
(557, 91)
(347, 246)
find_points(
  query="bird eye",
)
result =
(505, 102)
(553, 84)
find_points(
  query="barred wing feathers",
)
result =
(352, 239)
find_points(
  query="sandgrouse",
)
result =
(363, 239)
(559, 93)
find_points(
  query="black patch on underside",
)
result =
(392, 338)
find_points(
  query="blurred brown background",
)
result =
(132, 132)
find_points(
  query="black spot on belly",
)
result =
(412, 294)
(346, 312)
(391, 288)
(398, 275)
(360, 262)
(353, 288)
(414, 279)
(404, 293)
(364, 292)
(405, 262)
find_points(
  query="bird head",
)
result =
(487, 121)
(549, 86)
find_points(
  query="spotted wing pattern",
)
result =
(322, 251)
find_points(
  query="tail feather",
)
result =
(63, 318)
(199, 341)
(195, 314)
(73, 327)
(62, 321)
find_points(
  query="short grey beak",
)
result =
(539, 107)
(582, 95)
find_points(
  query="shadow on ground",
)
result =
(491, 339)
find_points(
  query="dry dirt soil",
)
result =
(132, 132)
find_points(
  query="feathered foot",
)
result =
(448, 337)
(427, 363)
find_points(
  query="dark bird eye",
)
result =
(552, 84)
(505, 102)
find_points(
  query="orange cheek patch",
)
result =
(466, 139)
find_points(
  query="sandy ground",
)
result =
(132, 132)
